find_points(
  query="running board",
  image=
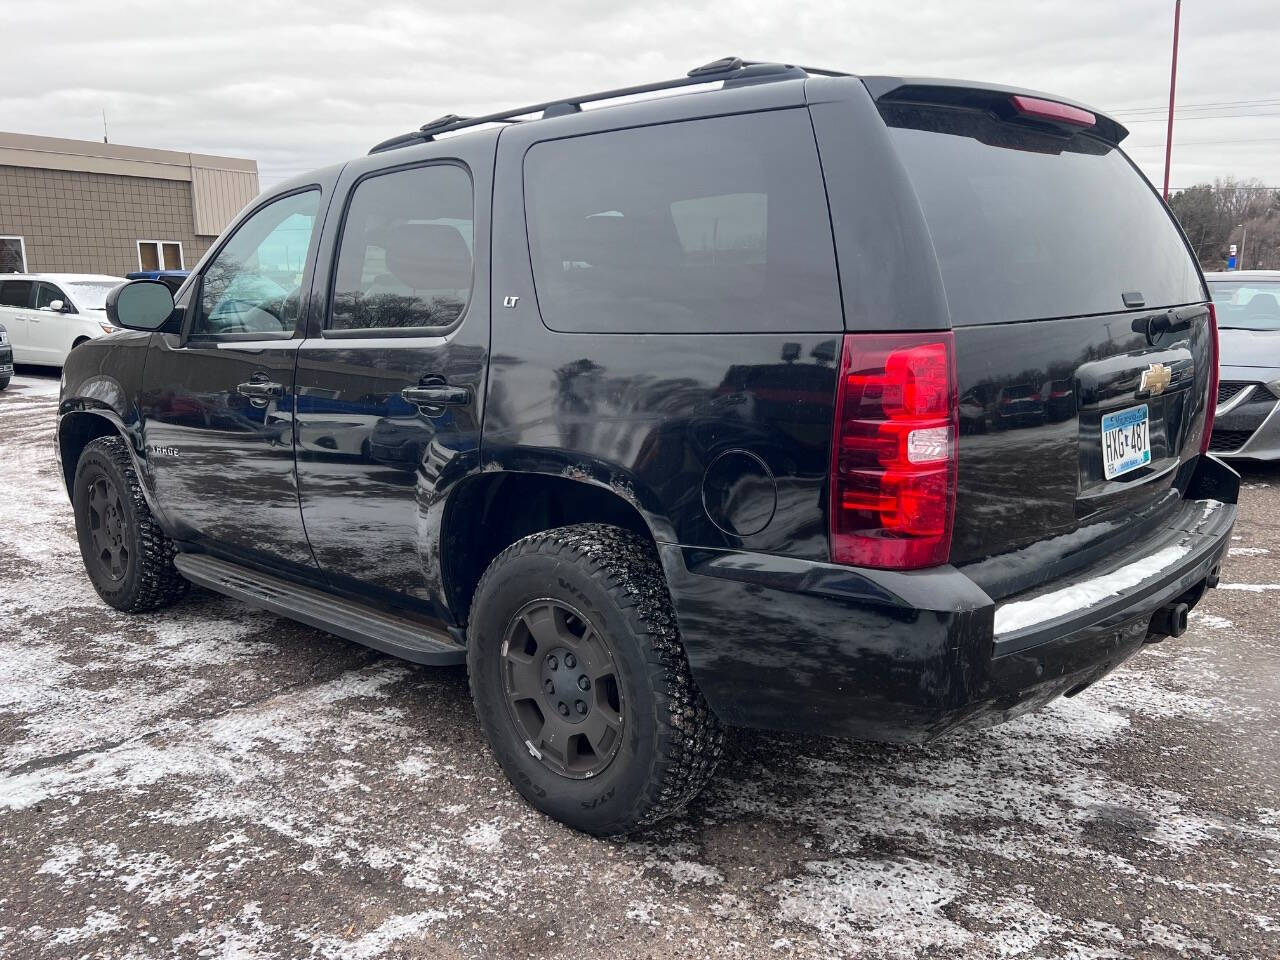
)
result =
(398, 636)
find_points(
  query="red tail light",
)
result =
(1053, 111)
(893, 455)
(1211, 403)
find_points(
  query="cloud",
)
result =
(297, 86)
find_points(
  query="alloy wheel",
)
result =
(562, 688)
(107, 531)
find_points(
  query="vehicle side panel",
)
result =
(374, 472)
(648, 415)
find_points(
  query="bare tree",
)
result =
(1213, 215)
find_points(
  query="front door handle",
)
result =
(436, 395)
(260, 391)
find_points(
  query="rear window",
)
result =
(703, 225)
(1029, 225)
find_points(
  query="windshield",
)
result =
(91, 296)
(1246, 304)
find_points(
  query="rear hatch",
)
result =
(1082, 335)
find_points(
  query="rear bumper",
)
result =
(789, 644)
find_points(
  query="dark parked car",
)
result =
(656, 427)
(6, 358)
(1248, 307)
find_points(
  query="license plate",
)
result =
(1126, 441)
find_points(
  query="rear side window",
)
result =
(406, 254)
(1029, 225)
(697, 226)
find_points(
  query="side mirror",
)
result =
(140, 305)
(57, 306)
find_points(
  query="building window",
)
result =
(159, 255)
(13, 255)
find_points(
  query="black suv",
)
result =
(649, 415)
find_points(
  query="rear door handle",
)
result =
(437, 395)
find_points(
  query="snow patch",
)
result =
(402, 927)
(867, 900)
(1212, 621)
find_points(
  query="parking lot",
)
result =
(214, 781)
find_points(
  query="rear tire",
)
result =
(586, 607)
(128, 558)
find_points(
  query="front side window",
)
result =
(406, 255)
(159, 255)
(254, 284)
(46, 293)
(696, 226)
(1246, 304)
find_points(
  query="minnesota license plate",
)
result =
(1126, 441)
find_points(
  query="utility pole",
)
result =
(104, 124)
(1173, 82)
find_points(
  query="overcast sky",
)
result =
(297, 84)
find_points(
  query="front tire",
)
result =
(4, 382)
(581, 684)
(128, 558)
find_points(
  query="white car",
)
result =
(47, 314)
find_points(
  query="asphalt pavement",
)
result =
(211, 781)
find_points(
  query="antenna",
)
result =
(104, 125)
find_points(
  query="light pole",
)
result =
(1173, 82)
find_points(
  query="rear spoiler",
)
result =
(984, 96)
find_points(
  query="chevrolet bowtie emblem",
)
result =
(1155, 379)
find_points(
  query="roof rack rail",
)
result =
(734, 71)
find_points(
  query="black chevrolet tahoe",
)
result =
(649, 413)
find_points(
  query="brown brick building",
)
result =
(76, 206)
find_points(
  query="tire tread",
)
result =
(690, 738)
(159, 584)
